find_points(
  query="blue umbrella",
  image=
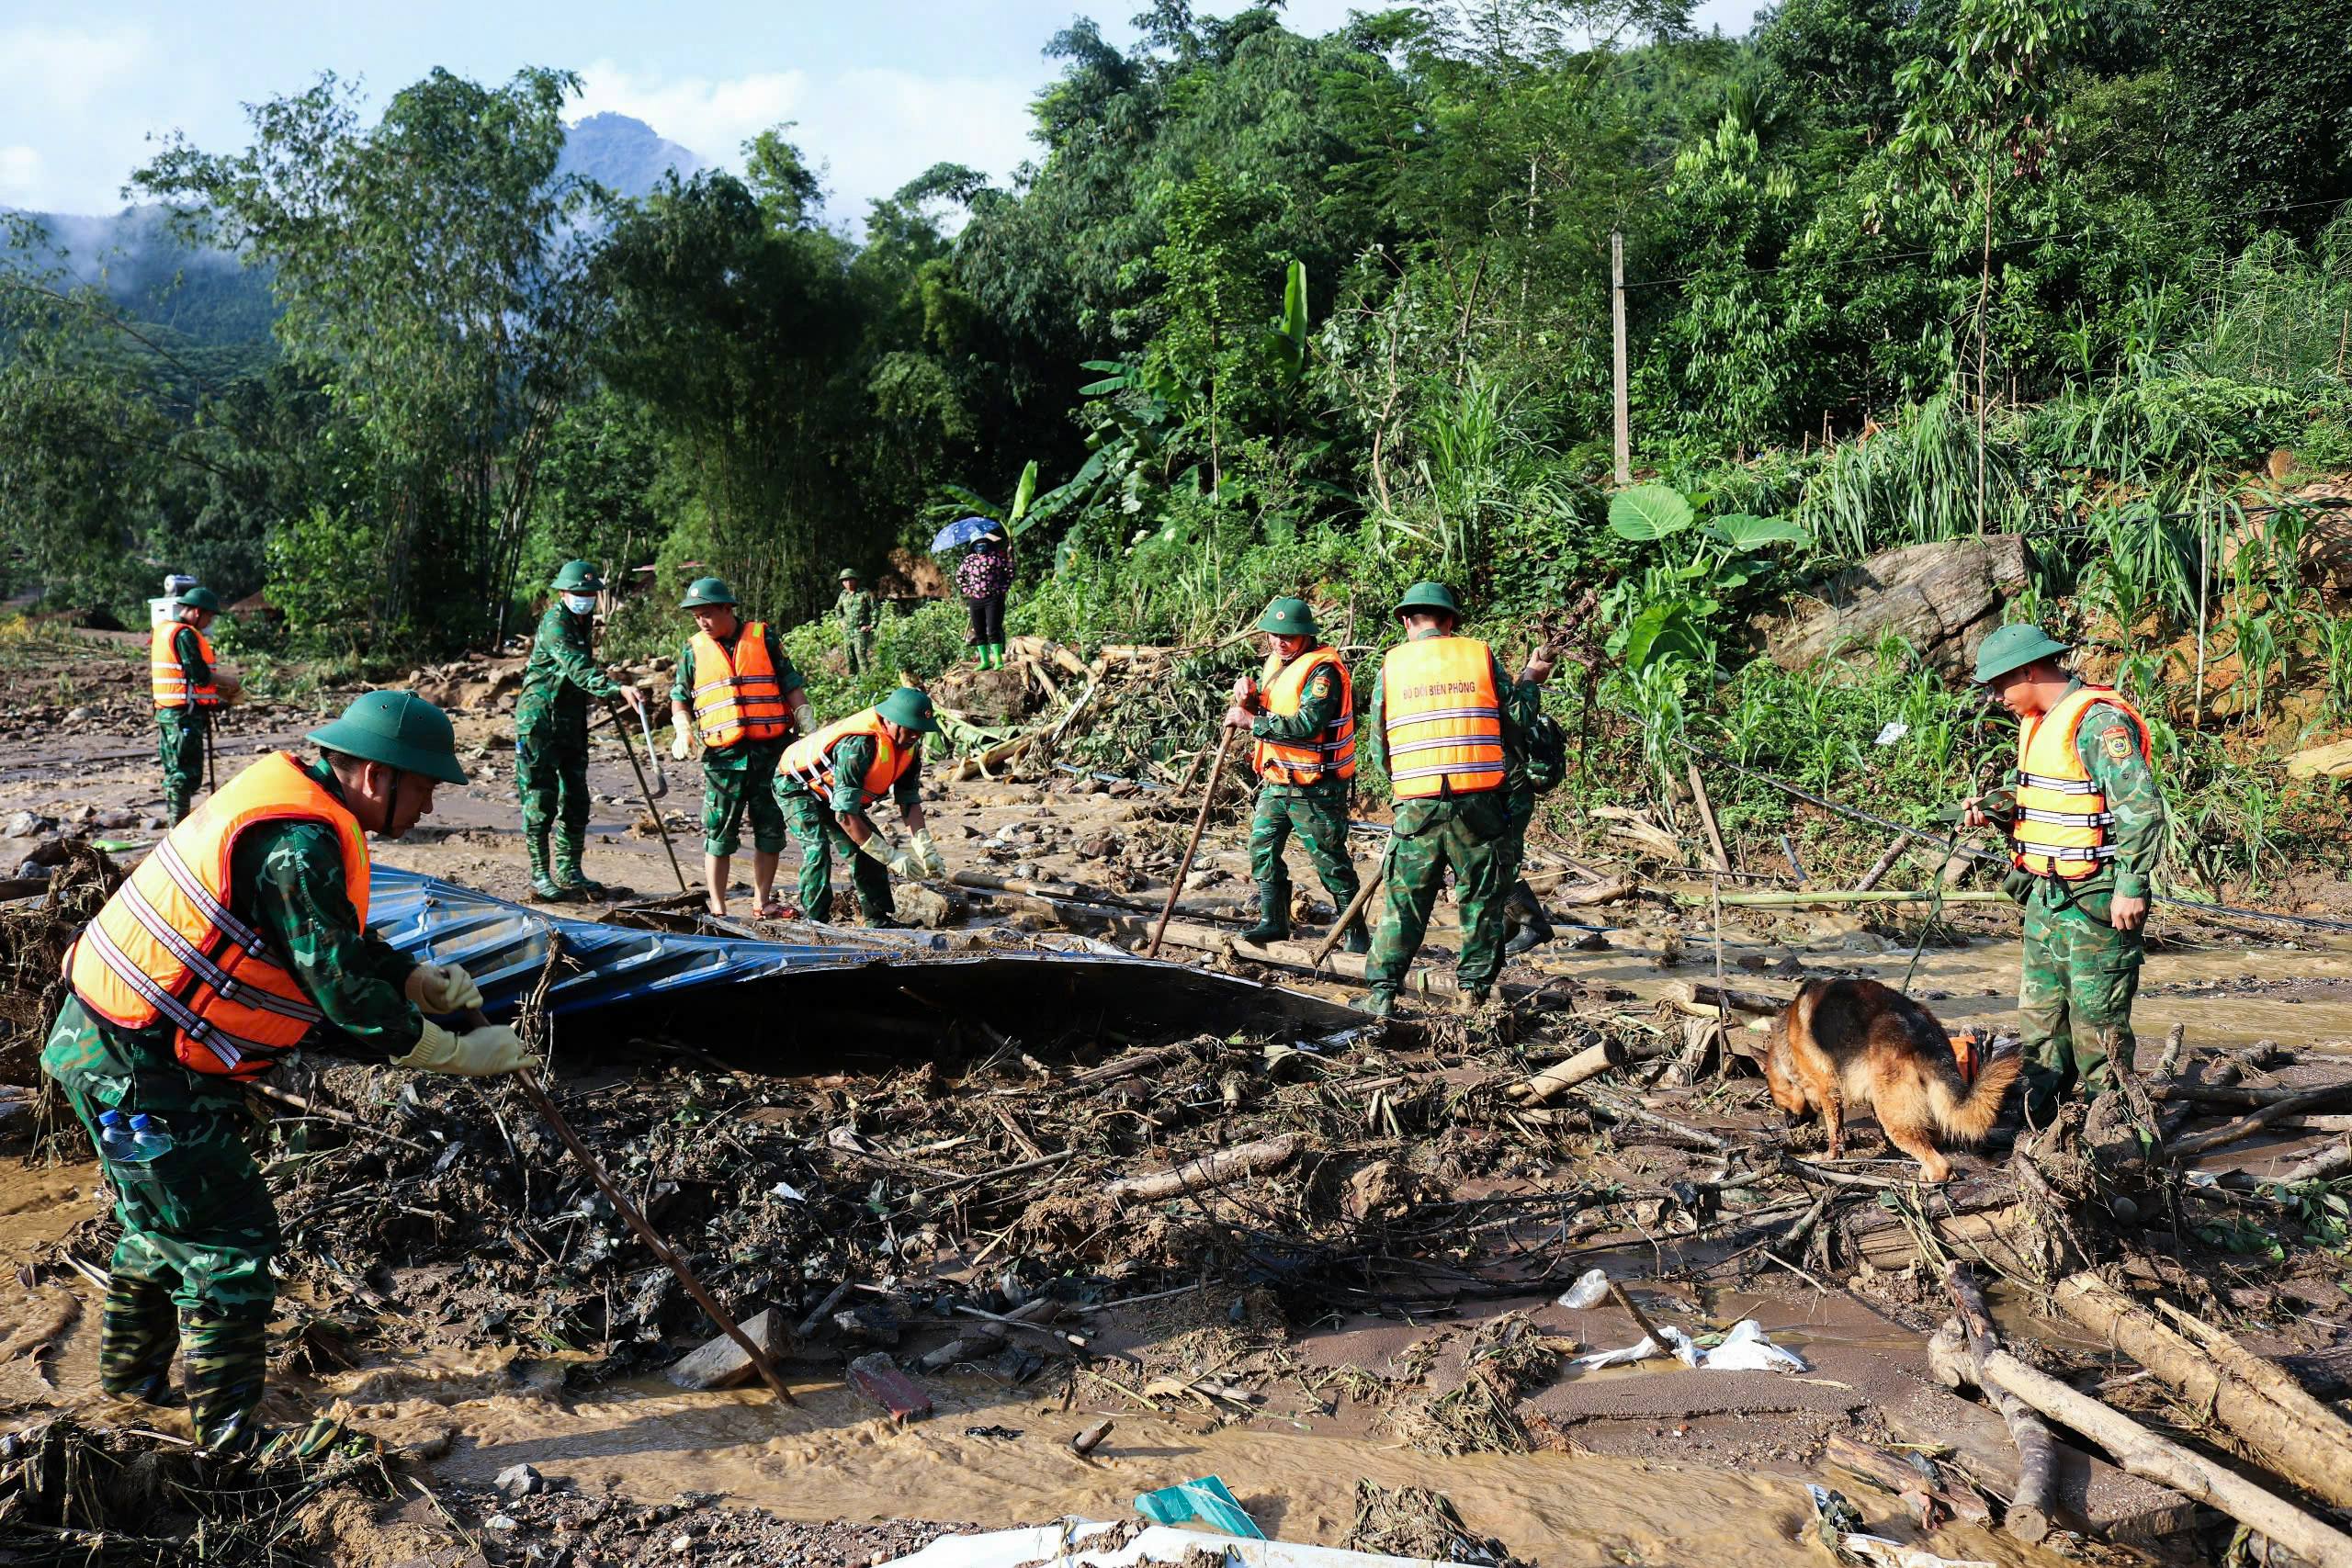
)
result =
(962, 531)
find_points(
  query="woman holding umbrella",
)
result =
(983, 578)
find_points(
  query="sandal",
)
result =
(777, 909)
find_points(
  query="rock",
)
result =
(987, 697)
(51, 851)
(926, 906)
(2335, 759)
(31, 870)
(77, 715)
(26, 825)
(866, 1323)
(1383, 1190)
(878, 1379)
(115, 820)
(154, 824)
(721, 1363)
(1941, 598)
(1098, 847)
(520, 1481)
(501, 1524)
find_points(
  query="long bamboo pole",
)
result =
(1200, 823)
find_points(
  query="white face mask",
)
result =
(579, 603)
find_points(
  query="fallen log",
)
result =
(2232, 1094)
(2327, 1163)
(2252, 1122)
(2261, 1405)
(2144, 1454)
(2032, 1511)
(1707, 994)
(1589, 1063)
(1883, 1469)
(1210, 1170)
(1583, 896)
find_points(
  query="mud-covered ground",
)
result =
(1378, 1307)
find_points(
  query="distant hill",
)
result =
(205, 299)
(624, 155)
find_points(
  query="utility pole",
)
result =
(1624, 444)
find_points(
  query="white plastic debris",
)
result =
(1590, 1290)
(787, 1191)
(1626, 1356)
(1896, 730)
(1745, 1349)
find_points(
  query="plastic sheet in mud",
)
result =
(901, 982)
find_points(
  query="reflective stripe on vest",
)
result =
(738, 698)
(1442, 719)
(1330, 754)
(2062, 818)
(808, 761)
(167, 947)
(167, 676)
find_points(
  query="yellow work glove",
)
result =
(681, 745)
(441, 987)
(478, 1053)
(883, 851)
(927, 853)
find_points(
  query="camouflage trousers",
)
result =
(551, 774)
(819, 833)
(1321, 824)
(858, 645)
(2075, 991)
(198, 1228)
(736, 788)
(1470, 835)
(180, 739)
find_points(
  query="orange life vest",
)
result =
(1330, 754)
(739, 698)
(1441, 717)
(167, 947)
(2062, 818)
(169, 678)
(808, 760)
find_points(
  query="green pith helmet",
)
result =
(578, 577)
(707, 591)
(909, 709)
(1430, 596)
(851, 573)
(1288, 618)
(399, 729)
(2014, 647)
(199, 598)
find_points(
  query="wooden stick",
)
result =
(1346, 916)
(2327, 1162)
(1884, 863)
(660, 1249)
(1707, 819)
(1589, 1063)
(329, 1113)
(2033, 1508)
(2252, 1122)
(2266, 1410)
(1200, 823)
(2139, 1451)
(1209, 1170)
(645, 795)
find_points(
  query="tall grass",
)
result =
(1910, 485)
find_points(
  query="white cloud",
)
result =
(20, 175)
(870, 131)
(67, 68)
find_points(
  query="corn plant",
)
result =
(2336, 648)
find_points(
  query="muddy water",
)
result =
(832, 1458)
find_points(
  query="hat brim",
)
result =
(370, 748)
(2049, 649)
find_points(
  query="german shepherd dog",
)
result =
(1858, 1042)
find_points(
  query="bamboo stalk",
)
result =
(1193, 847)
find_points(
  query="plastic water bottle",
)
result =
(151, 1138)
(114, 1140)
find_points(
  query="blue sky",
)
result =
(881, 89)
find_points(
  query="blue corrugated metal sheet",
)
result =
(504, 947)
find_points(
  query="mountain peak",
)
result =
(622, 153)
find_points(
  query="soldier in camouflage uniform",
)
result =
(1304, 724)
(2086, 835)
(551, 734)
(827, 785)
(739, 774)
(861, 620)
(199, 1227)
(1453, 740)
(186, 689)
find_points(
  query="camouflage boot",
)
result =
(543, 883)
(227, 1362)
(1274, 913)
(138, 1333)
(574, 882)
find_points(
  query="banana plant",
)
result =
(1026, 507)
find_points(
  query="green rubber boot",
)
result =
(574, 882)
(1379, 1004)
(1358, 939)
(1273, 914)
(138, 1331)
(227, 1362)
(544, 889)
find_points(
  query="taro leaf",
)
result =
(1744, 533)
(1648, 513)
(1662, 632)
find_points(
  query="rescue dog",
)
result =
(1858, 1042)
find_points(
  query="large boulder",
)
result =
(1941, 598)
